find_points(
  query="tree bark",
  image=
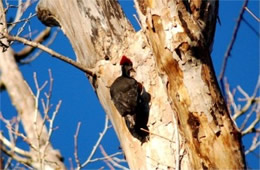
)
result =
(189, 125)
(181, 35)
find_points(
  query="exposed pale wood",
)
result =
(181, 35)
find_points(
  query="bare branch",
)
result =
(16, 157)
(118, 159)
(29, 49)
(22, 20)
(17, 150)
(51, 40)
(76, 145)
(254, 145)
(106, 161)
(46, 104)
(101, 135)
(115, 164)
(251, 127)
(11, 131)
(51, 123)
(252, 14)
(250, 100)
(248, 115)
(51, 52)
(230, 46)
(25, 138)
(71, 164)
(46, 107)
(37, 131)
(22, 7)
(106, 157)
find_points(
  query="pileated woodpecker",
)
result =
(131, 100)
(125, 93)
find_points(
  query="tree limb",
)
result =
(29, 49)
(51, 52)
(7, 143)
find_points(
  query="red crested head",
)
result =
(124, 60)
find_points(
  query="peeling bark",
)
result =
(171, 57)
(181, 35)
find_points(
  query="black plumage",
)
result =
(126, 94)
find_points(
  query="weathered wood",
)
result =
(181, 35)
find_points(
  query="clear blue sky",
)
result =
(80, 104)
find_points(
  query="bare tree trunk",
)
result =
(171, 56)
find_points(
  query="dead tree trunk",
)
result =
(189, 124)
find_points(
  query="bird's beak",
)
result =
(132, 72)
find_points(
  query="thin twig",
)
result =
(37, 96)
(107, 162)
(46, 104)
(51, 124)
(252, 14)
(115, 164)
(119, 159)
(231, 44)
(230, 99)
(251, 127)
(101, 135)
(138, 21)
(21, 29)
(52, 53)
(15, 153)
(248, 115)
(254, 145)
(250, 100)
(71, 164)
(22, 7)
(22, 20)
(26, 139)
(106, 157)
(50, 131)
(76, 145)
